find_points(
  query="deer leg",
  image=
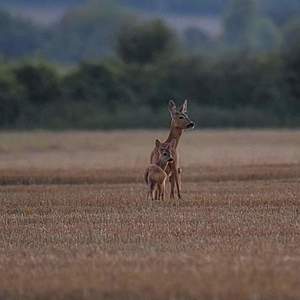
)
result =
(179, 176)
(151, 190)
(159, 191)
(163, 191)
(172, 182)
(177, 183)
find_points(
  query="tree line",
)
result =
(238, 89)
(251, 80)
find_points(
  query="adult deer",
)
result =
(179, 122)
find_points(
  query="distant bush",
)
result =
(95, 83)
(291, 61)
(237, 88)
(11, 98)
(144, 43)
(41, 83)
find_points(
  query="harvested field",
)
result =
(75, 223)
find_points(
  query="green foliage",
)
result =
(40, 82)
(255, 83)
(291, 57)
(11, 101)
(145, 43)
(95, 83)
(236, 90)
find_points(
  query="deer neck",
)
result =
(162, 164)
(175, 133)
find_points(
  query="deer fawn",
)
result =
(155, 175)
(179, 122)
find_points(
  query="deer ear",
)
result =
(183, 108)
(172, 107)
(157, 143)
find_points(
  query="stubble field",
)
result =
(75, 222)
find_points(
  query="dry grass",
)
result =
(75, 223)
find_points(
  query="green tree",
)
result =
(291, 57)
(145, 43)
(11, 102)
(95, 83)
(41, 82)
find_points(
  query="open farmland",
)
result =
(75, 223)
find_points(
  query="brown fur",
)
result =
(155, 175)
(179, 122)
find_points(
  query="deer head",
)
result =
(179, 117)
(164, 152)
